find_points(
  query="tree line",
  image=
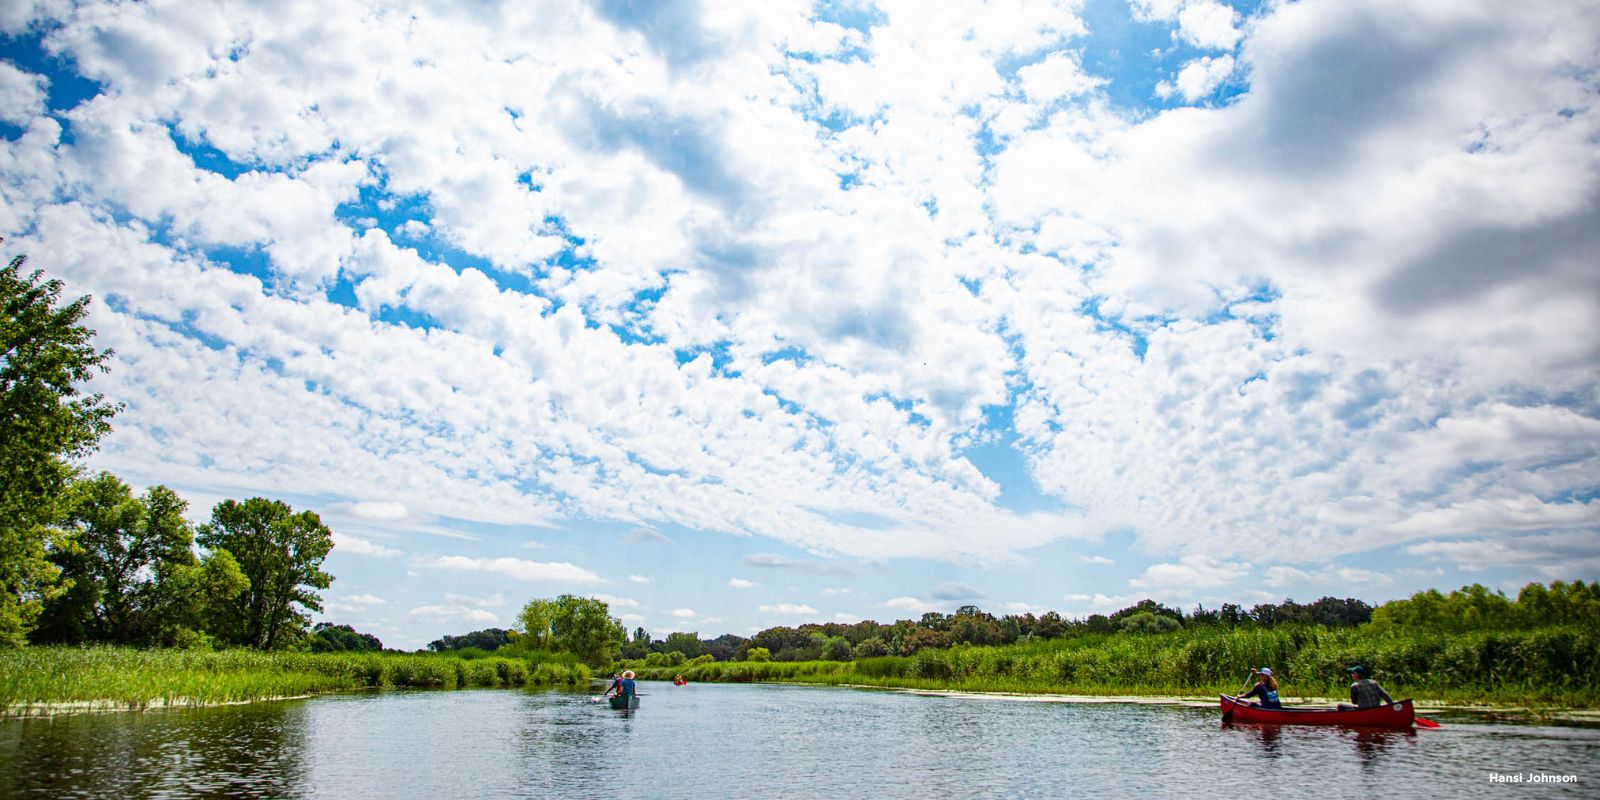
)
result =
(1471, 608)
(82, 559)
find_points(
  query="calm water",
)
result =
(710, 741)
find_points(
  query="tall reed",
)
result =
(38, 679)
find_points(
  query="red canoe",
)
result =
(1396, 715)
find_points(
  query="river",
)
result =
(713, 741)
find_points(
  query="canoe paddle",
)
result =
(1227, 716)
(1423, 722)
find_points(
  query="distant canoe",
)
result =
(621, 702)
(1395, 715)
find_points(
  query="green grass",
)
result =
(44, 679)
(1547, 667)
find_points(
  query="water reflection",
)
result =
(253, 751)
(1371, 745)
(701, 741)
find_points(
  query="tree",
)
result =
(280, 553)
(118, 553)
(488, 639)
(688, 644)
(837, 648)
(758, 655)
(46, 420)
(582, 626)
(330, 638)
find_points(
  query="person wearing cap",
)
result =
(1266, 689)
(1364, 691)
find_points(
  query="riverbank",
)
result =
(46, 681)
(1543, 670)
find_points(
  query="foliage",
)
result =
(42, 679)
(125, 560)
(488, 639)
(330, 638)
(280, 553)
(758, 655)
(1147, 622)
(46, 355)
(582, 626)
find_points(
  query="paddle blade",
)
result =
(1426, 723)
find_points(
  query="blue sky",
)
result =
(751, 314)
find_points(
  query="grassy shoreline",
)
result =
(1548, 668)
(44, 681)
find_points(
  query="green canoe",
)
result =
(625, 701)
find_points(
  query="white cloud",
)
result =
(555, 571)
(1198, 77)
(911, 604)
(682, 613)
(740, 583)
(1190, 573)
(1097, 603)
(492, 601)
(454, 613)
(617, 602)
(355, 545)
(364, 599)
(1208, 24)
(1346, 320)
(641, 579)
(835, 590)
(1095, 560)
(788, 609)
(383, 511)
(22, 95)
(533, 544)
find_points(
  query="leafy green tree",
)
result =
(837, 648)
(330, 638)
(46, 420)
(871, 648)
(487, 640)
(281, 554)
(118, 554)
(582, 626)
(1148, 622)
(688, 644)
(758, 655)
(197, 600)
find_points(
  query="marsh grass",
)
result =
(46, 679)
(1558, 666)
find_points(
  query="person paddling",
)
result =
(1266, 689)
(1364, 691)
(678, 681)
(625, 685)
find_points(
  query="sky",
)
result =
(750, 314)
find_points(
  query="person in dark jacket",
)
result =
(1364, 691)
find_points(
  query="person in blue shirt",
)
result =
(1266, 689)
(626, 687)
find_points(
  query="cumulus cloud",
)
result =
(756, 274)
(1190, 573)
(788, 609)
(552, 571)
(355, 545)
(682, 613)
(453, 613)
(641, 579)
(740, 583)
